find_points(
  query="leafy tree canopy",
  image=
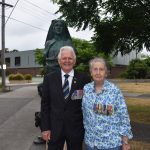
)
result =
(118, 25)
(39, 57)
(85, 52)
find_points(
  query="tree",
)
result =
(85, 51)
(147, 61)
(137, 69)
(40, 59)
(118, 25)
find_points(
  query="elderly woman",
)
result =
(106, 120)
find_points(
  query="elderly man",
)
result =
(62, 119)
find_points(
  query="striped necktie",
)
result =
(66, 87)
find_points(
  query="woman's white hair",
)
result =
(66, 48)
(95, 60)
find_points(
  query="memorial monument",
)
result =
(57, 37)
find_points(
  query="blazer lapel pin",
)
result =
(74, 80)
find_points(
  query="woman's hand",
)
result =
(126, 147)
(125, 144)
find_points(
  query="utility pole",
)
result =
(3, 45)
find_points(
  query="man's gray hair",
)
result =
(66, 48)
(95, 60)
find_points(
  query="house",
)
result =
(121, 63)
(24, 62)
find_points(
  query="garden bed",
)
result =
(19, 81)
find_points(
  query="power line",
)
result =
(27, 24)
(33, 8)
(41, 16)
(8, 17)
(11, 11)
(36, 12)
(39, 7)
(32, 11)
(40, 13)
(34, 15)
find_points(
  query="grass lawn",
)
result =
(139, 111)
(139, 145)
(135, 88)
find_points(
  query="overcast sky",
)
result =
(29, 22)
(38, 14)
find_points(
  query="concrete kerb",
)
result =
(10, 86)
(129, 80)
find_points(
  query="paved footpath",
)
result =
(17, 109)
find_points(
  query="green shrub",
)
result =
(148, 73)
(28, 77)
(123, 75)
(11, 77)
(42, 71)
(82, 67)
(17, 76)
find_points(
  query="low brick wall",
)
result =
(113, 73)
(116, 71)
(32, 71)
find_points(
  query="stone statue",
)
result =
(58, 36)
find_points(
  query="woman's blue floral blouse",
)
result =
(105, 116)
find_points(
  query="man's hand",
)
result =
(46, 135)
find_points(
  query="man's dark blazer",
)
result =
(57, 115)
